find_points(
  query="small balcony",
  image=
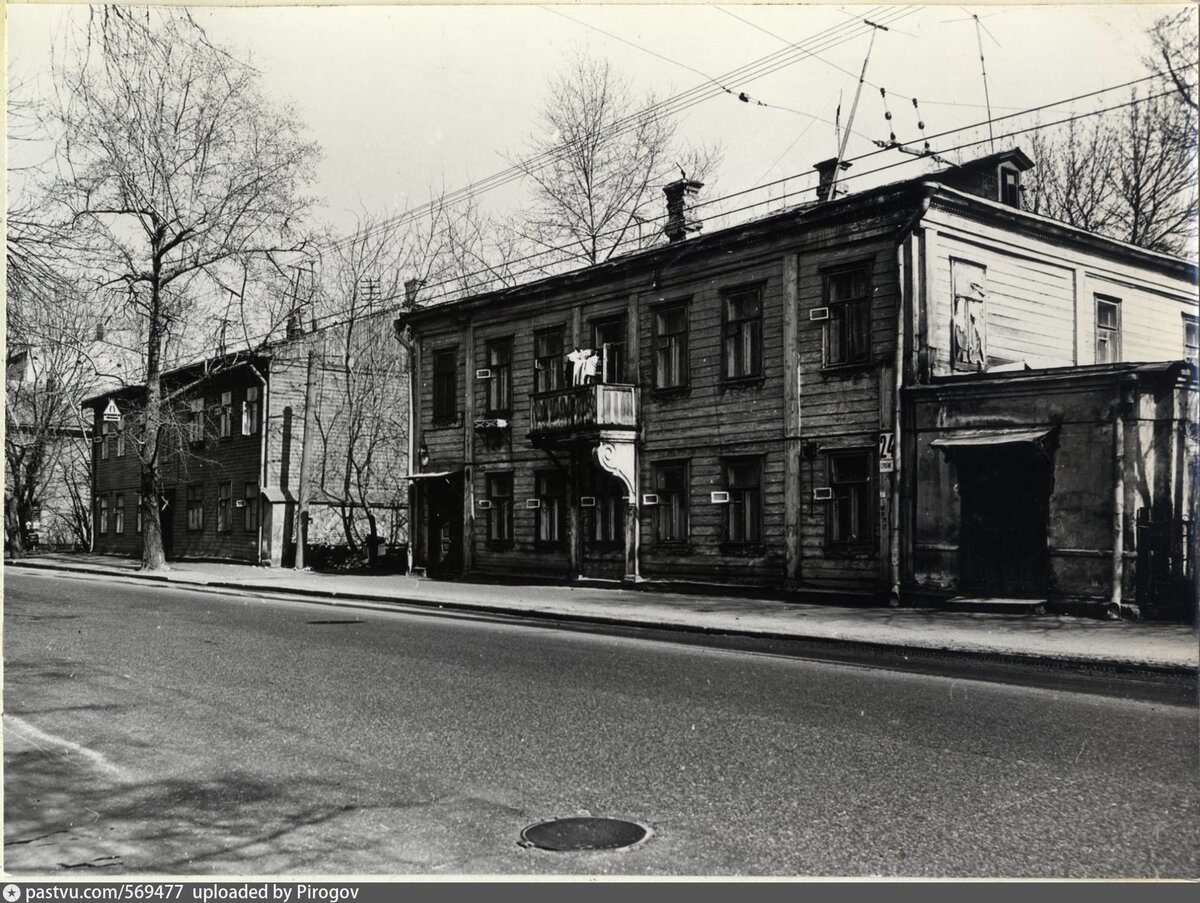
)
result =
(581, 412)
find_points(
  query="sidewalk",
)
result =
(1170, 648)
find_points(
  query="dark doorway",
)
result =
(444, 525)
(1005, 495)
(602, 501)
(166, 520)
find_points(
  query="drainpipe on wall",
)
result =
(407, 344)
(911, 228)
(262, 451)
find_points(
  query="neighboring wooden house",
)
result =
(753, 415)
(233, 447)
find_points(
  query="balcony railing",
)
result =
(582, 408)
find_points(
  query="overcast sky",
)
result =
(408, 99)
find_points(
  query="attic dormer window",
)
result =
(1010, 186)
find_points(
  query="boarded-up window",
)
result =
(968, 323)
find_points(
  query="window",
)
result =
(1108, 330)
(850, 514)
(104, 432)
(195, 506)
(224, 499)
(138, 515)
(548, 523)
(500, 514)
(499, 387)
(225, 416)
(608, 515)
(671, 512)
(743, 333)
(608, 341)
(743, 481)
(968, 318)
(119, 514)
(196, 421)
(445, 384)
(1191, 337)
(250, 412)
(549, 365)
(671, 347)
(847, 295)
(1010, 187)
(250, 507)
(103, 515)
(120, 429)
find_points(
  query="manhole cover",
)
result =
(565, 834)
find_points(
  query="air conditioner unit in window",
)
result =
(719, 498)
(484, 504)
(533, 503)
(494, 423)
(239, 503)
(483, 373)
(650, 499)
(587, 501)
(822, 495)
(819, 313)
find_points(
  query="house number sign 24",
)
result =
(887, 452)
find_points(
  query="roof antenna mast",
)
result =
(841, 154)
(979, 29)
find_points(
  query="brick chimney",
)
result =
(679, 222)
(412, 288)
(826, 170)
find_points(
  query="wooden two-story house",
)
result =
(233, 449)
(803, 401)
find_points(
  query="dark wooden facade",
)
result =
(770, 451)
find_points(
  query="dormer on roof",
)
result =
(996, 177)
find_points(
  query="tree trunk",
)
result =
(153, 556)
(13, 529)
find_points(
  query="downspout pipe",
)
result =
(407, 342)
(1123, 407)
(903, 308)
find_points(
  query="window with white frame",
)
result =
(1108, 329)
(225, 416)
(195, 432)
(250, 412)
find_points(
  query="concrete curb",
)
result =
(1175, 674)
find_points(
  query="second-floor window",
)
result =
(743, 516)
(548, 523)
(500, 514)
(195, 426)
(225, 416)
(250, 412)
(1108, 330)
(499, 387)
(105, 429)
(671, 347)
(848, 329)
(195, 506)
(608, 341)
(671, 512)
(1191, 337)
(119, 426)
(549, 362)
(743, 333)
(445, 384)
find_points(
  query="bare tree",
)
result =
(1073, 180)
(1175, 52)
(597, 168)
(173, 168)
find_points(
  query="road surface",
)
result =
(159, 730)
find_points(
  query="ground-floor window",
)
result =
(138, 517)
(119, 514)
(608, 513)
(671, 510)
(499, 516)
(548, 522)
(103, 525)
(743, 517)
(850, 514)
(195, 506)
(250, 507)
(224, 500)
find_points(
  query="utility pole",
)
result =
(841, 154)
(310, 390)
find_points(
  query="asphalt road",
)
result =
(166, 731)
